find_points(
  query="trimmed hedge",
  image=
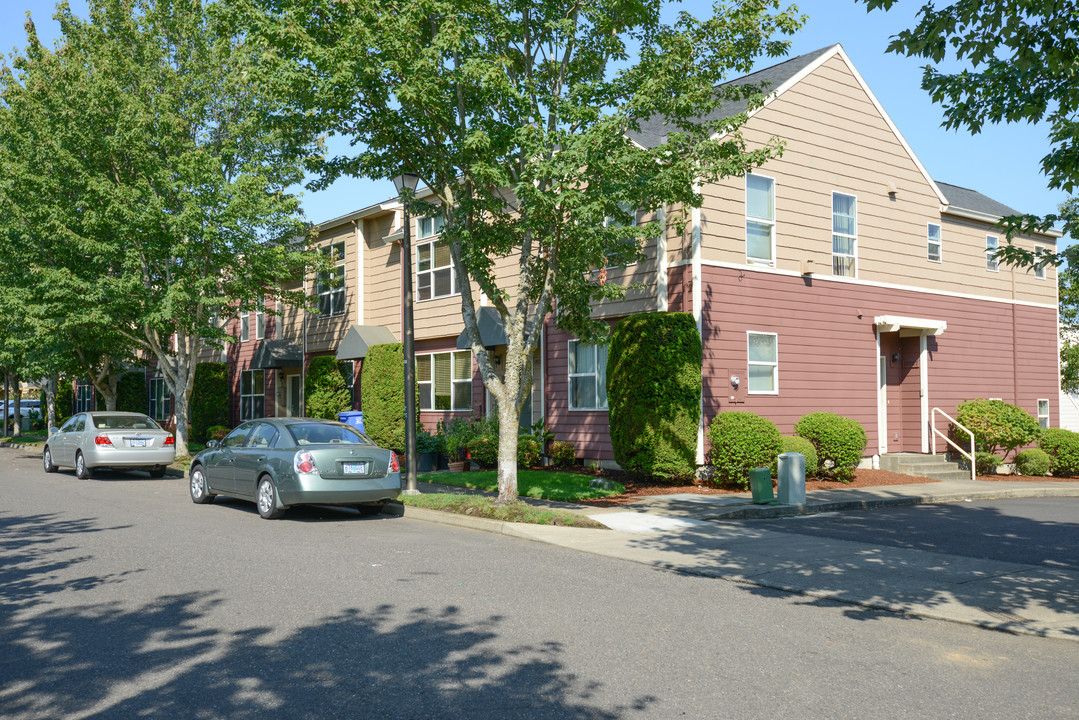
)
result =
(1033, 461)
(839, 441)
(740, 442)
(1062, 447)
(209, 404)
(131, 395)
(325, 392)
(382, 395)
(997, 425)
(791, 443)
(654, 394)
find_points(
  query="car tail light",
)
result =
(102, 440)
(304, 462)
(395, 464)
(170, 440)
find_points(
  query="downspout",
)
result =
(662, 262)
(698, 314)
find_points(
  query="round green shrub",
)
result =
(740, 442)
(209, 404)
(1032, 461)
(483, 450)
(1062, 447)
(325, 391)
(654, 394)
(839, 441)
(791, 443)
(562, 453)
(984, 462)
(997, 426)
(528, 451)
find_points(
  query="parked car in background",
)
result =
(117, 440)
(279, 462)
(25, 407)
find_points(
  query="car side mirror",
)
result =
(210, 444)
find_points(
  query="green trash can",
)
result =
(760, 484)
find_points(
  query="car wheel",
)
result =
(200, 491)
(266, 499)
(81, 471)
(46, 460)
(158, 471)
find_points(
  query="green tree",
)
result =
(517, 117)
(1068, 290)
(382, 395)
(1017, 62)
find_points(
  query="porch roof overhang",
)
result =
(359, 339)
(276, 354)
(492, 333)
(898, 323)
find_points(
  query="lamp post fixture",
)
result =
(406, 186)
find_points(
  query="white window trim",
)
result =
(607, 223)
(260, 322)
(329, 290)
(1039, 272)
(854, 237)
(428, 386)
(771, 223)
(245, 327)
(595, 374)
(1046, 416)
(940, 242)
(166, 400)
(252, 395)
(432, 240)
(996, 246)
(775, 365)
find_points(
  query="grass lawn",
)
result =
(544, 484)
(25, 439)
(483, 506)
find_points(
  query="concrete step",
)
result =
(934, 467)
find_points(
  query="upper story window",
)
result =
(1043, 413)
(435, 277)
(260, 321)
(587, 376)
(991, 246)
(763, 365)
(844, 235)
(933, 243)
(1039, 270)
(331, 282)
(612, 221)
(760, 219)
(245, 327)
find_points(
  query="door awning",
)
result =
(492, 333)
(359, 339)
(898, 323)
(276, 354)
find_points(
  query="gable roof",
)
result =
(962, 198)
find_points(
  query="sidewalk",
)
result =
(707, 535)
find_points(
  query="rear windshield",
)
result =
(326, 434)
(124, 422)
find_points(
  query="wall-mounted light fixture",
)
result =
(895, 358)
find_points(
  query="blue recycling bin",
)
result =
(353, 418)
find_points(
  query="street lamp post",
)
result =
(408, 182)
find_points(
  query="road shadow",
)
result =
(195, 655)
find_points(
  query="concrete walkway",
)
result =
(709, 535)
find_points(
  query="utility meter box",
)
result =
(792, 478)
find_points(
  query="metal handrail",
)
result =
(968, 456)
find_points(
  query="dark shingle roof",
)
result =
(963, 199)
(654, 130)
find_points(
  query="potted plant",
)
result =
(455, 435)
(427, 448)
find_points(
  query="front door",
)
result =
(293, 392)
(900, 393)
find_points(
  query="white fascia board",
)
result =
(990, 219)
(894, 323)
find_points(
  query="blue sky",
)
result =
(1003, 162)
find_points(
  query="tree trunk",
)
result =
(508, 424)
(16, 391)
(52, 384)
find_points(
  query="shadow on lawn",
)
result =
(167, 659)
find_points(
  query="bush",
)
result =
(528, 451)
(985, 462)
(427, 443)
(217, 432)
(997, 425)
(65, 401)
(654, 394)
(209, 405)
(1062, 447)
(382, 395)
(740, 442)
(839, 442)
(483, 450)
(562, 453)
(131, 395)
(326, 394)
(1032, 461)
(789, 443)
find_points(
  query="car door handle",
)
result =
(261, 458)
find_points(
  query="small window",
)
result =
(245, 327)
(252, 394)
(1039, 257)
(587, 376)
(760, 219)
(934, 243)
(444, 380)
(763, 366)
(991, 245)
(260, 322)
(844, 235)
(1043, 413)
(331, 283)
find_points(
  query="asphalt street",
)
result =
(119, 598)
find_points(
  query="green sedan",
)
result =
(278, 462)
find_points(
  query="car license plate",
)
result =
(137, 442)
(354, 468)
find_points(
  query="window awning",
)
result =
(359, 339)
(897, 323)
(276, 354)
(492, 333)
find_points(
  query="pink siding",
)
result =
(239, 355)
(588, 430)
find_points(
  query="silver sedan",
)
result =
(117, 440)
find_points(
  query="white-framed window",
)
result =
(844, 235)
(84, 393)
(1043, 413)
(1039, 271)
(331, 282)
(252, 394)
(435, 277)
(611, 221)
(762, 371)
(933, 243)
(992, 243)
(445, 380)
(760, 219)
(160, 400)
(245, 327)
(260, 321)
(587, 376)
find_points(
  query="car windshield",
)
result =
(326, 434)
(124, 422)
